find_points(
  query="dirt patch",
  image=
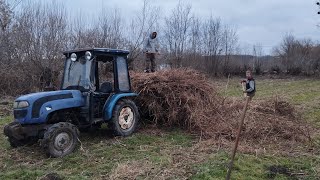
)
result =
(186, 99)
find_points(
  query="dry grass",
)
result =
(131, 170)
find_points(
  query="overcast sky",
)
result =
(257, 21)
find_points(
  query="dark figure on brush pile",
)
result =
(249, 85)
(151, 48)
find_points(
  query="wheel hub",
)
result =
(126, 118)
(62, 141)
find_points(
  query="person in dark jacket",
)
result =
(250, 85)
(151, 48)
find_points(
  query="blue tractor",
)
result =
(86, 99)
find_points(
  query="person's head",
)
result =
(154, 35)
(249, 74)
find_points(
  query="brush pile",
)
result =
(267, 121)
(186, 99)
(176, 97)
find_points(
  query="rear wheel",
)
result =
(125, 118)
(61, 139)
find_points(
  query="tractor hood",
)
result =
(34, 96)
(43, 103)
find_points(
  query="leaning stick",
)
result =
(244, 88)
(238, 135)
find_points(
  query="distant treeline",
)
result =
(33, 35)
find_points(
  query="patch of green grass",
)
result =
(136, 147)
(22, 173)
(180, 138)
(214, 168)
(3, 140)
(261, 167)
(307, 96)
(5, 120)
(313, 115)
(305, 88)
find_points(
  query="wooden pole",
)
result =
(238, 136)
(244, 88)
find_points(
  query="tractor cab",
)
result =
(95, 89)
(98, 73)
(82, 70)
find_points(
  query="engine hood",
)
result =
(43, 103)
(34, 96)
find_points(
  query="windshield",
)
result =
(77, 74)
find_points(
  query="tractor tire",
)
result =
(125, 117)
(60, 139)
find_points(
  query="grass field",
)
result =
(174, 154)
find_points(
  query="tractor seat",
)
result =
(106, 87)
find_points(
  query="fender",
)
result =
(112, 101)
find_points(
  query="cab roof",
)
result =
(99, 51)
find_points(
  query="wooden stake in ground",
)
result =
(244, 89)
(248, 98)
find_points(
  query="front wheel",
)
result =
(125, 118)
(60, 139)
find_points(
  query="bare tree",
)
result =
(315, 60)
(38, 37)
(230, 44)
(110, 28)
(6, 16)
(176, 32)
(6, 13)
(212, 43)
(257, 53)
(139, 27)
(194, 44)
(294, 54)
(287, 52)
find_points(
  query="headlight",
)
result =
(20, 104)
(73, 57)
(88, 55)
